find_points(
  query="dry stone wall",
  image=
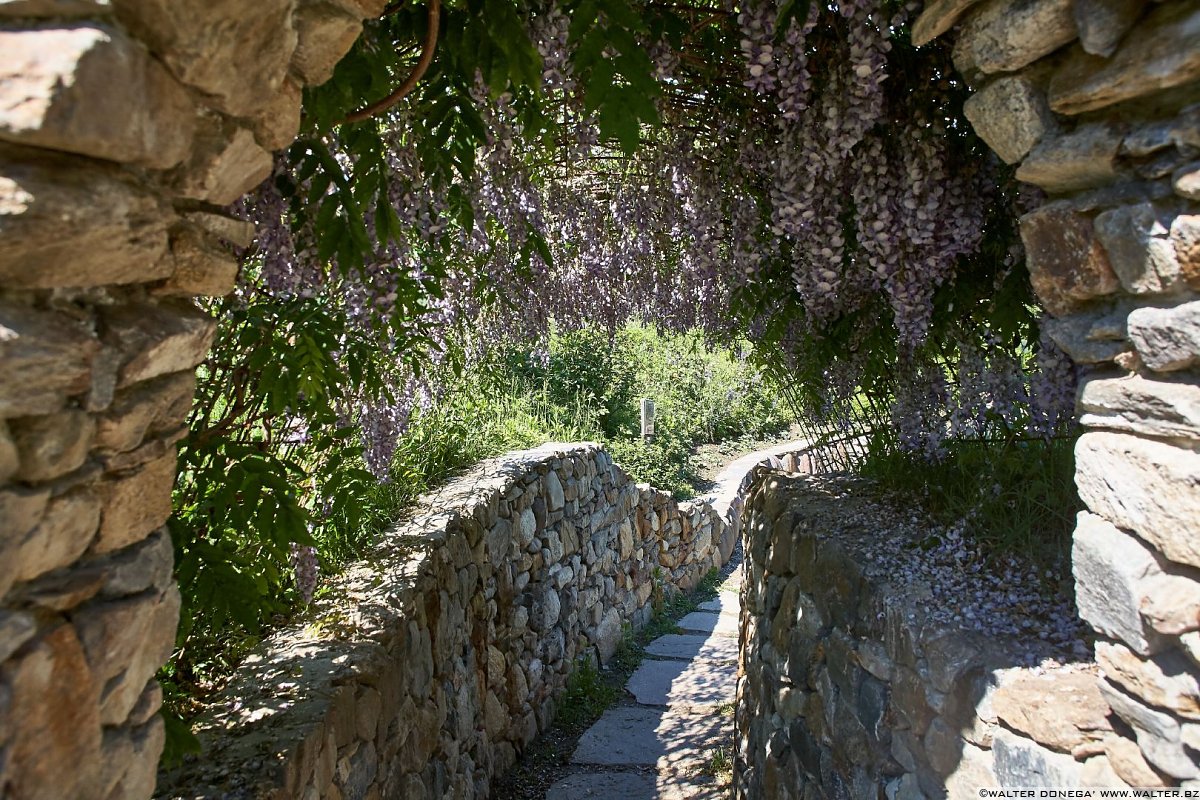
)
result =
(125, 127)
(443, 656)
(1098, 103)
(868, 671)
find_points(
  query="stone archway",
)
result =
(124, 128)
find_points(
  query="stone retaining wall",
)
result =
(1098, 103)
(868, 673)
(125, 126)
(444, 655)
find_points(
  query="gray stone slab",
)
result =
(635, 786)
(694, 645)
(646, 737)
(684, 683)
(708, 622)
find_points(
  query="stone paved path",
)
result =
(660, 747)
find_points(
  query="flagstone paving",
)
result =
(694, 645)
(662, 747)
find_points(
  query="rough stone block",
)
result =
(1067, 265)
(278, 124)
(1179, 131)
(234, 52)
(157, 339)
(1159, 735)
(54, 696)
(937, 18)
(126, 641)
(1135, 404)
(159, 446)
(136, 505)
(131, 758)
(326, 32)
(1137, 240)
(974, 771)
(45, 357)
(1127, 761)
(1011, 115)
(144, 410)
(1094, 336)
(1143, 486)
(1102, 23)
(10, 461)
(146, 565)
(1059, 710)
(92, 90)
(1005, 35)
(1167, 339)
(1022, 763)
(1186, 181)
(1082, 159)
(1159, 53)
(66, 530)
(1185, 238)
(364, 9)
(1171, 604)
(203, 268)
(16, 628)
(50, 446)
(68, 222)
(608, 635)
(226, 163)
(1166, 680)
(21, 510)
(232, 230)
(1098, 773)
(1111, 572)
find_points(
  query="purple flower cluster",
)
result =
(862, 201)
(305, 569)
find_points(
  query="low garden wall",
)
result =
(881, 658)
(443, 655)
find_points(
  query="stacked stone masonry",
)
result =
(1097, 103)
(859, 682)
(443, 656)
(125, 127)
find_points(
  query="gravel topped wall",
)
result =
(125, 128)
(881, 658)
(443, 655)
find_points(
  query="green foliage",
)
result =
(267, 464)
(585, 367)
(700, 395)
(663, 462)
(587, 695)
(1016, 496)
(615, 68)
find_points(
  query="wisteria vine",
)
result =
(817, 192)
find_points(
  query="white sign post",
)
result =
(647, 419)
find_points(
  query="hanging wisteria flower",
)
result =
(305, 569)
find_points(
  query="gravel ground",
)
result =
(709, 459)
(1032, 605)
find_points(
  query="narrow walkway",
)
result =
(669, 743)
